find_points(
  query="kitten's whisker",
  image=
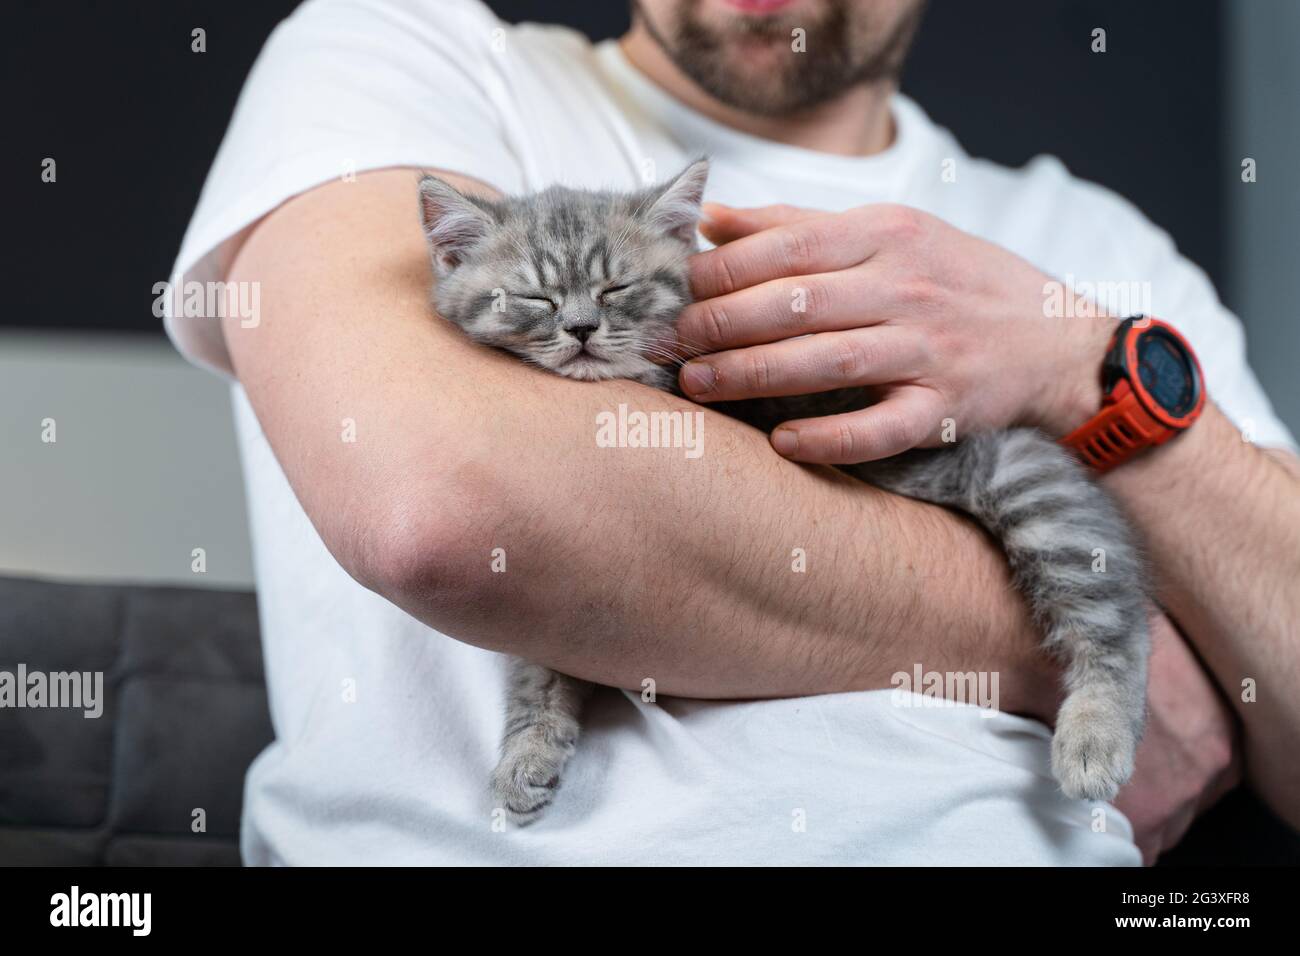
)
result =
(682, 340)
(665, 357)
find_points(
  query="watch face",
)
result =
(1167, 373)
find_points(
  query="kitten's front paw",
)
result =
(525, 780)
(1094, 747)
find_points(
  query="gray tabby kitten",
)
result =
(588, 285)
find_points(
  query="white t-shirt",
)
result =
(386, 730)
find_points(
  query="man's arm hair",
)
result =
(621, 564)
(1221, 519)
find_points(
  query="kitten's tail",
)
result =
(1075, 559)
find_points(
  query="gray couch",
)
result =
(185, 713)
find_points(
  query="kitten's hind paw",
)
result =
(525, 780)
(1093, 748)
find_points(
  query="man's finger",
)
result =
(824, 242)
(722, 224)
(819, 244)
(803, 366)
(782, 309)
(906, 419)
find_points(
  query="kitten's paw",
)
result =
(1094, 747)
(525, 780)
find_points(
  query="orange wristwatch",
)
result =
(1153, 390)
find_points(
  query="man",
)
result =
(419, 502)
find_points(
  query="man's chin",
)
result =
(753, 54)
(757, 69)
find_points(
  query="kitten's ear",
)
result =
(453, 223)
(676, 209)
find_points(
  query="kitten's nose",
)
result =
(581, 332)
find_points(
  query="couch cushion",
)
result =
(184, 713)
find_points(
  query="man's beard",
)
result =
(842, 48)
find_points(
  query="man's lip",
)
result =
(758, 6)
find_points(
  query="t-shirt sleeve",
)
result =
(342, 86)
(1183, 295)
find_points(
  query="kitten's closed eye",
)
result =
(611, 291)
(540, 301)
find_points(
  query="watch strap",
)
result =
(1118, 432)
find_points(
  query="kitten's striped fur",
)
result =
(588, 284)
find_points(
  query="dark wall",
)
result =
(1014, 78)
(114, 94)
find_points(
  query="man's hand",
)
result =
(935, 322)
(1189, 756)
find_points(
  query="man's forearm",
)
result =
(627, 564)
(1221, 519)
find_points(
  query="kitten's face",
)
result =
(582, 284)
